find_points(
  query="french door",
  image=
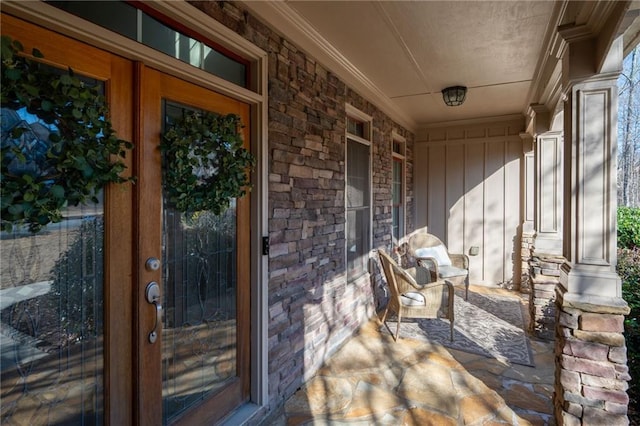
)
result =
(201, 358)
(80, 299)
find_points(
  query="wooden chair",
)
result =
(430, 252)
(413, 295)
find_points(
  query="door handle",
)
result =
(152, 294)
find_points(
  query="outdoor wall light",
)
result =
(454, 95)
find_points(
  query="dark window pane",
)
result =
(357, 174)
(397, 148)
(116, 16)
(357, 242)
(397, 211)
(122, 18)
(356, 127)
(157, 35)
(224, 67)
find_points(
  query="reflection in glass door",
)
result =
(51, 302)
(199, 346)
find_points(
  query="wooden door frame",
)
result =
(152, 87)
(116, 72)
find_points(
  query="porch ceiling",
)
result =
(412, 50)
(403, 53)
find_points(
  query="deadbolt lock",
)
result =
(152, 264)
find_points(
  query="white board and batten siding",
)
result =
(469, 194)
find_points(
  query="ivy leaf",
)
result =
(18, 46)
(66, 79)
(46, 105)
(32, 90)
(7, 50)
(13, 74)
(15, 209)
(57, 191)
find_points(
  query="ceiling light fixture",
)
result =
(454, 95)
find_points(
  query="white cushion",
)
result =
(412, 299)
(451, 271)
(439, 253)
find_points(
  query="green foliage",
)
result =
(42, 173)
(628, 227)
(205, 163)
(77, 282)
(629, 270)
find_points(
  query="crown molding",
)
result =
(545, 79)
(286, 21)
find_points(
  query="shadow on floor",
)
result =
(374, 380)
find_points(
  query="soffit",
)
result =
(401, 54)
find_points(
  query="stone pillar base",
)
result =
(526, 252)
(591, 360)
(545, 277)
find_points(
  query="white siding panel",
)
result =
(472, 190)
(421, 184)
(455, 198)
(437, 189)
(494, 212)
(512, 214)
(474, 209)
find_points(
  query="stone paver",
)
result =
(374, 380)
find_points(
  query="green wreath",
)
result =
(58, 145)
(206, 165)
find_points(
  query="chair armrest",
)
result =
(406, 281)
(451, 293)
(459, 260)
(429, 263)
(421, 275)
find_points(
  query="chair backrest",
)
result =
(423, 239)
(423, 244)
(387, 267)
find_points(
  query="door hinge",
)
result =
(265, 246)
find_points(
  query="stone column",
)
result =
(591, 370)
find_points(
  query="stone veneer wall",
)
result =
(545, 277)
(591, 362)
(312, 309)
(526, 253)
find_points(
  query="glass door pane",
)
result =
(51, 303)
(199, 343)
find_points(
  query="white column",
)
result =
(549, 194)
(590, 143)
(528, 176)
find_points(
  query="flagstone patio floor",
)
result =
(373, 380)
